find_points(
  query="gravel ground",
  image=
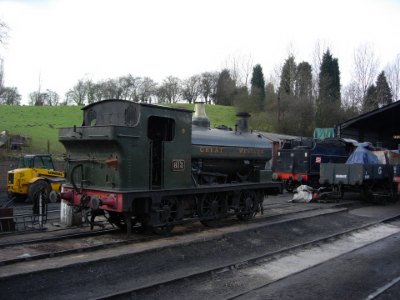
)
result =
(85, 280)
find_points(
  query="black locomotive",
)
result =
(298, 162)
(146, 163)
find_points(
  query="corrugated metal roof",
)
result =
(373, 113)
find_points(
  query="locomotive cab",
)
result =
(125, 145)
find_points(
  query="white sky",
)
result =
(62, 41)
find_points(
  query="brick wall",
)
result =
(5, 166)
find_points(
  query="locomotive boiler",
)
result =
(145, 163)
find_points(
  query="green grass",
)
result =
(41, 124)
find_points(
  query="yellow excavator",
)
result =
(34, 174)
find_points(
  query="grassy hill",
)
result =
(41, 124)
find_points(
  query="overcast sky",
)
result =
(61, 41)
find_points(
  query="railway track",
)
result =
(382, 290)
(194, 280)
(58, 243)
(270, 235)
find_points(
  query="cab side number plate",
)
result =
(178, 165)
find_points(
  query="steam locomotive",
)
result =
(298, 162)
(151, 164)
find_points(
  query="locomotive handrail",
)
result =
(128, 136)
(90, 160)
(72, 176)
(98, 135)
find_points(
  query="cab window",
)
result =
(43, 162)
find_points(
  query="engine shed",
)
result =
(379, 126)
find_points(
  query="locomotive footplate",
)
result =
(161, 210)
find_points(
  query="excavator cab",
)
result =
(43, 161)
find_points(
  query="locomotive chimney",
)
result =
(200, 118)
(242, 122)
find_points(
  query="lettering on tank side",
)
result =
(245, 151)
(204, 149)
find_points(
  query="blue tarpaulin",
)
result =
(362, 156)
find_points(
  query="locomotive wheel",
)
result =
(37, 189)
(339, 192)
(290, 186)
(119, 220)
(167, 214)
(394, 197)
(366, 193)
(248, 205)
(212, 208)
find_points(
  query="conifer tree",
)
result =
(304, 106)
(303, 87)
(328, 102)
(288, 77)
(383, 91)
(370, 99)
(258, 86)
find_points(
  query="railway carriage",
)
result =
(149, 164)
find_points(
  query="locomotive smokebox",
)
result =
(200, 118)
(242, 123)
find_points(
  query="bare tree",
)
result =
(78, 93)
(1, 74)
(232, 64)
(52, 98)
(365, 68)
(319, 49)
(129, 87)
(147, 89)
(275, 76)
(3, 39)
(351, 97)
(112, 89)
(191, 88)
(3, 32)
(37, 98)
(393, 76)
(10, 96)
(169, 90)
(208, 85)
(90, 91)
(240, 68)
(247, 65)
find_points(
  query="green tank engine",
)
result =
(146, 163)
